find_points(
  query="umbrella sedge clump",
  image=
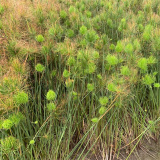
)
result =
(81, 75)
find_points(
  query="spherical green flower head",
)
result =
(51, 95)
(112, 60)
(7, 124)
(99, 76)
(21, 98)
(39, 38)
(90, 87)
(148, 79)
(39, 67)
(9, 144)
(91, 68)
(151, 60)
(91, 36)
(125, 71)
(112, 47)
(146, 36)
(112, 87)
(71, 61)
(51, 106)
(63, 14)
(95, 55)
(103, 100)
(83, 30)
(70, 33)
(102, 110)
(32, 142)
(157, 85)
(142, 64)
(119, 47)
(129, 48)
(72, 9)
(88, 14)
(66, 73)
(95, 120)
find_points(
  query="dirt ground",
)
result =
(148, 151)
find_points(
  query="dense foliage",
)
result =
(78, 77)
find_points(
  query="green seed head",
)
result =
(129, 48)
(91, 68)
(83, 43)
(112, 87)
(66, 73)
(88, 14)
(112, 60)
(39, 68)
(119, 47)
(146, 36)
(122, 25)
(51, 106)
(91, 36)
(112, 47)
(53, 73)
(83, 30)
(95, 120)
(103, 100)
(36, 122)
(32, 142)
(99, 76)
(148, 79)
(72, 9)
(70, 33)
(102, 110)
(90, 87)
(51, 95)
(151, 60)
(7, 124)
(39, 38)
(142, 64)
(63, 14)
(157, 85)
(21, 98)
(95, 55)
(52, 31)
(71, 61)
(9, 144)
(125, 71)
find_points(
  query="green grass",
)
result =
(78, 78)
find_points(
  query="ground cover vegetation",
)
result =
(78, 77)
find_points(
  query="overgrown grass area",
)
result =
(78, 78)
